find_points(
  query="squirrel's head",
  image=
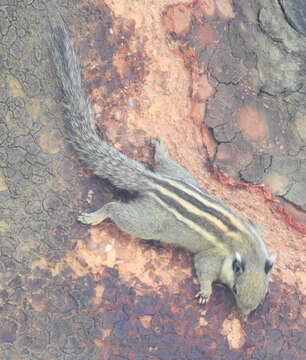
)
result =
(251, 279)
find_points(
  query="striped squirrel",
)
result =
(169, 206)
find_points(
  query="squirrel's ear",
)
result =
(269, 263)
(238, 265)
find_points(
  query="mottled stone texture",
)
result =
(254, 58)
(72, 293)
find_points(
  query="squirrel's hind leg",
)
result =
(138, 217)
(166, 166)
(93, 218)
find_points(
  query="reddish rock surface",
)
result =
(254, 141)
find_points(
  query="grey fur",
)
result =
(169, 207)
(102, 159)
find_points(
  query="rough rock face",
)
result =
(254, 58)
(213, 78)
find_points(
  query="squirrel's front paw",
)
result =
(203, 296)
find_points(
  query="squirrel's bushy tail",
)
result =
(102, 159)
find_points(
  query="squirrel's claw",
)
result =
(202, 297)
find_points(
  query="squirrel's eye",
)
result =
(238, 267)
(234, 288)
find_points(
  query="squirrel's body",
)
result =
(169, 205)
